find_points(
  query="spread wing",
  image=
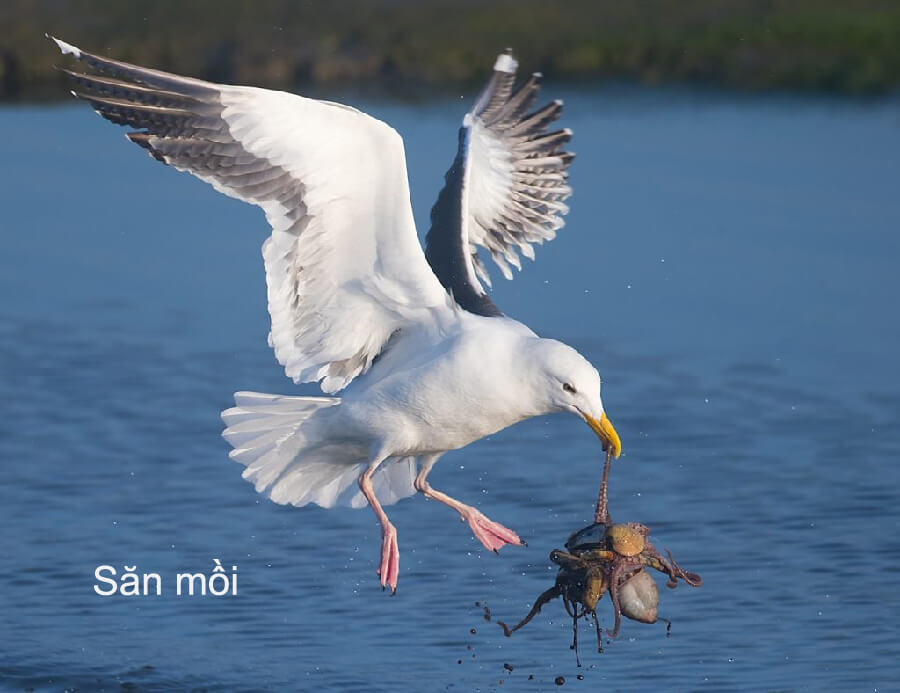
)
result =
(505, 190)
(344, 267)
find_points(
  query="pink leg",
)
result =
(390, 552)
(493, 535)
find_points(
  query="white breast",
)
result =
(464, 388)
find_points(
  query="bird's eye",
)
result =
(568, 388)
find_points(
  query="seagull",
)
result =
(424, 361)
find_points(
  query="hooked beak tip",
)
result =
(606, 433)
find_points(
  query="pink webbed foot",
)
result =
(390, 558)
(492, 534)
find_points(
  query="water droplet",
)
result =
(559, 680)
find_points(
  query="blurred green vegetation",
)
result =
(834, 45)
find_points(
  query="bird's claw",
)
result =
(492, 535)
(390, 559)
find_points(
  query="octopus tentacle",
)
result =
(599, 632)
(601, 514)
(545, 597)
(615, 574)
(569, 603)
(692, 579)
(655, 559)
(575, 637)
(567, 561)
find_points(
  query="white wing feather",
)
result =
(516, 180)
(344, 267)
(355, 272)
(505, 190)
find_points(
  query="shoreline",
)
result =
(441, 47)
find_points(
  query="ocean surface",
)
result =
(730, 265)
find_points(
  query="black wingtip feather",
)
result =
(142, 139)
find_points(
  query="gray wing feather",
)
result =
(179, 121)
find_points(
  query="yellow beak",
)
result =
(606, 433)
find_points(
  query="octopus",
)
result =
(606, 557)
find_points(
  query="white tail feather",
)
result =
(273, 437)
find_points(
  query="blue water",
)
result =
(730, 266)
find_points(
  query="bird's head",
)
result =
(573, 385)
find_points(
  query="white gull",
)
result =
(424, 361)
